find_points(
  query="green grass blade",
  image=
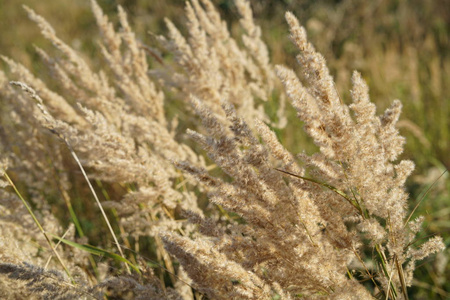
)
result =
(337, 191)
(38, 224)
(97, 251)
(423, 197)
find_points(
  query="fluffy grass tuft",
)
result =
(209, 203)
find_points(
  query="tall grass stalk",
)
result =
(41, 106)
(38, 224)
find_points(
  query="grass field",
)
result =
(401, 49)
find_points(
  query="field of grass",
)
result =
(401, 48)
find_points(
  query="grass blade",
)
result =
(97, 251)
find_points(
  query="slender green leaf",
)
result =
(337, 191)
(97, 251)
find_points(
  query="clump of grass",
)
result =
(331, 225)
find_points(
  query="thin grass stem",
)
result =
(36, 221)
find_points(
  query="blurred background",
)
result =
(401, 48)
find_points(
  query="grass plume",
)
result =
(222, 209)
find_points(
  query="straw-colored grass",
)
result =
(197, 166)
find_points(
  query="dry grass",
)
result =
(186, 145)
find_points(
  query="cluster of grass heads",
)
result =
(400, 47)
